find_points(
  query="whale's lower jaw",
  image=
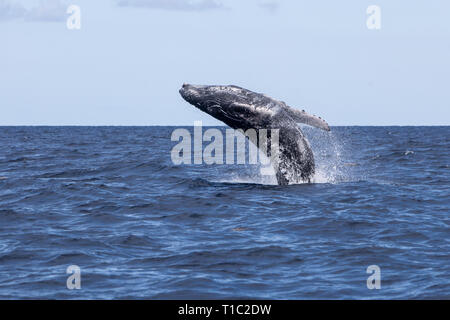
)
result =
(284, 179)
(291, 174)
(295, 163)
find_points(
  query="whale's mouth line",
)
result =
(191, 95)
(226, 115)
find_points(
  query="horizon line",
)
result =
(191, 125)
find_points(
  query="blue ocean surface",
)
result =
(111, 201)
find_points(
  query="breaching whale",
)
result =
(243, 109)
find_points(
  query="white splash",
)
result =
(331, 160)
(330, 157)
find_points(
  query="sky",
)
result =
(126, 63)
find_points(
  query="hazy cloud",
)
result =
(46, 10)
(175, 5)
(270, 6)
(10, 10)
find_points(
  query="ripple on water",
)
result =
(109, 200)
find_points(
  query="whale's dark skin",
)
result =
(243, 109)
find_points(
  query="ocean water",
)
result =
(110, 200)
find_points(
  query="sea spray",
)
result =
(331, 156)
(333, 160)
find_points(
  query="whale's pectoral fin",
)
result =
(302, 117)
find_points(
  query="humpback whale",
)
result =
(243, 109)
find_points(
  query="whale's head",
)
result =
(235, 106)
